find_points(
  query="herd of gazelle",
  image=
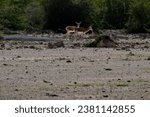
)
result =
(78, 30)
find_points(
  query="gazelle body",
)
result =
(82, 31)
(72, 29)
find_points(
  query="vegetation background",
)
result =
(132, 15)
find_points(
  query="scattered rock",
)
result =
(26, 67)
(59, 44)
(8, 48)
(32, 47)
(86, 85)
(7, 78)
(148, 58)
(47, 82)
(26, 47)
(62, 59)
(49, 46)
(128, 80)
(18, 57)
(16, 90)
(105, 96)
(131, 54)
(55, 45)
(108, 69)
(76, 45)
(51, 95)
(40, 43)
(2, 45)
(102, 41)
(90, 97)
(91, 61)
(68, 61)
(5, 64)
(125, 48)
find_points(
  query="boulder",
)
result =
(102, 41)
(57, 44)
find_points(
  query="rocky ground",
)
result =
(64, 69)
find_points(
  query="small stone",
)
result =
(105, 96)
(108, 69)
(68, 61)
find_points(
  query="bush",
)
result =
(10, 17)
(35, 15)
(60, 13)
(12, 14)
(57, 14)
(139, 15)
(115, 13)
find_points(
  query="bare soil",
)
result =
(31, 70)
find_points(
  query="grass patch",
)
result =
(141, 81)
(85, 85)
(122, 85)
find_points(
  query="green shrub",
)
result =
(139, 16)
(10, 17)
(35, 15)
(133, 15)
(60, 13)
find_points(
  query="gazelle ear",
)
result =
(78, 22)
(90, 27)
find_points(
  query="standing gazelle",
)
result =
(72, 29)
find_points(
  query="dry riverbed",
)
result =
(75, 73)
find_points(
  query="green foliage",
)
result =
(60, 13)
(115, 13)
(139, 16)
(57, 13)
(12, 14)
(10, 18)
(85, 11)
(35, 15)
(133, 15)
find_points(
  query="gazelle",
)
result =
(82, 31)
(72, 29)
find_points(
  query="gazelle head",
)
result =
(90, 28)
(78, 24)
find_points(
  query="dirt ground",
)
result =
(77, 73)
